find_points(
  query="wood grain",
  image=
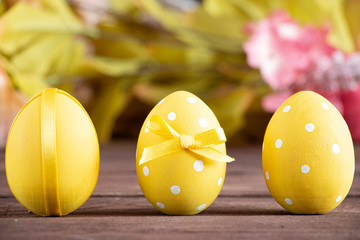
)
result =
(117, 208)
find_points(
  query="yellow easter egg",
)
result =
(308, 155)
(181, 160)
(52, 154)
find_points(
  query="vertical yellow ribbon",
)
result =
(48, 152)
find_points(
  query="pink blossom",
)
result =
(292, 58)
(282, 49)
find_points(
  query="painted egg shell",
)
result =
(308, 155)
(52, 154)
(181, 183)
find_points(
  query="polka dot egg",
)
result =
(308, 155)
(180, 183)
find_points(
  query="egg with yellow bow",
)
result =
(308, 155)
(181, 155)
(52, 154)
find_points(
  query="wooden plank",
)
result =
(117, 209)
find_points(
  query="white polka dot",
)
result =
(198, 165)
(161, 101)
(336, 149)
(146, 129)
(201, 207)
(160, 205)
(175, 189)
(288, 201)
(278, 143)
(146, 171)
(325, 106)
(203, 122)
(305, 169)
(171, 116)
(267, 175)
(191, 100)
(338, 198)
(287, 108)
(219, 181)
(309, 127)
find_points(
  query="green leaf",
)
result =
(23, 23)
(2, 7)
(151, 92)
(109, 105)
(352, 10)
(68, 60)
(340, 35)
(28, 83)
(40, 55)
(230, 107)
(123, 6)
(111, 66)
(256, 10)
(63, 12)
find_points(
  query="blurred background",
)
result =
(120, 57)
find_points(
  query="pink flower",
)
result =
(10, 103)
(292, 58)
(282, 49)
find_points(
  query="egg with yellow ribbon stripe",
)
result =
(181, 155)
(52, 154)
(308, 155)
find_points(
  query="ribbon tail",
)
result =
(162, 149)
(212, 154)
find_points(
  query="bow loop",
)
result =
(158, 126)
(201, 144)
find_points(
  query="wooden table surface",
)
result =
(117, 209)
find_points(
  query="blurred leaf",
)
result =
(304, 12)
(2, 7)
(115, 48)
(222, 32)
(220, 8)
(230, 108)
(48, 49)
(69, 57)
(123, 6)
(23, 23)
(199, 57)
(166, 53)
(112, 66)
(352, 10)
(29, 84)
(200, 28)
(166, 16)
(340, 34)
(255, 10)
(109, 105)
(151, 93)
(63, 12)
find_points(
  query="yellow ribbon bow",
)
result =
(201, 144)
